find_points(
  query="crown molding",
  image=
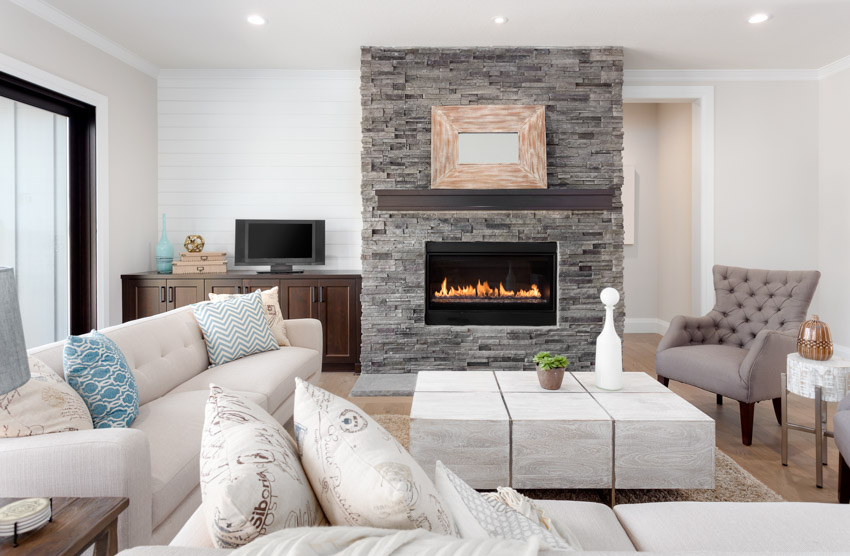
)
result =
(680, 76)
(835, 67)
(70, 25)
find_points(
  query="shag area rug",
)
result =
(732, 482)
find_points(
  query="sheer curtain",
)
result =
(34, 216)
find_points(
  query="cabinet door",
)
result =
(223, 286)
(253, 285)
(338, 313)
(184, 292)
(142, 298)
(299, 299)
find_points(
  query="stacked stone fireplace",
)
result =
(523, 280)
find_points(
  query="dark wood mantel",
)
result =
(493, 199)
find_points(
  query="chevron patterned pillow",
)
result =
(234, 328)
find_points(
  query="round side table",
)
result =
(822, 381)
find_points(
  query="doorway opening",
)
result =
(48, 191)
(669, 156)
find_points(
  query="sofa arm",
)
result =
(98, 462)
(765, 362)
(685, 331)
(306, 333)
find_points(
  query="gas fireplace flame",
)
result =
(483, 290)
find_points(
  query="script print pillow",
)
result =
(360, 473)
(43, 405)
(252, 482)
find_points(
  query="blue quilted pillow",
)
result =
(234, 328)
(97, 370)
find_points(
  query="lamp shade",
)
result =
(14, 366)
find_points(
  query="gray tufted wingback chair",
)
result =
(738, 350)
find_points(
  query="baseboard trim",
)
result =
(636, 325)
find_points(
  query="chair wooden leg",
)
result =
(664, 380)
(843, 481)
(719, 399)
(777, 409)
(747, 414)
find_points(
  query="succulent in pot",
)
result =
(550, 369)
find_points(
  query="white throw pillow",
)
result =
(360, 473)
(271, 305)
(43, 405)
(479, 516)
(252, 482)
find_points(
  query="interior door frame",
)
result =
(701, 99)
(90, 169)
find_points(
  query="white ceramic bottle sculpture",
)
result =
(609, 349)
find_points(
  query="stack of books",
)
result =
(201, 263)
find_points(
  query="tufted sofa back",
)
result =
(751, 300)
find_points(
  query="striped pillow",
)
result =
(234, 328)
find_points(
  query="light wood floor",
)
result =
(794, 483)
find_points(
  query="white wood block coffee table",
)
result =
(448, 381)
(517, 381)
(660, 441)
(503, 429)
(561, 439)
(467, 431)
(632, 383)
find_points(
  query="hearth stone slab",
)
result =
(467, 431)
(632, 382)
(661, 441)
(384, 385)
(575, 424)
(469, 381)
(526, 381)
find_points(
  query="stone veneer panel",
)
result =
(582, 91)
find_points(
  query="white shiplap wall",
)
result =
(261, 144)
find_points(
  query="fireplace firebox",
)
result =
(490, 283)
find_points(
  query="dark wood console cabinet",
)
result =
(330, 296)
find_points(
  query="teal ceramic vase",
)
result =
(164, 252)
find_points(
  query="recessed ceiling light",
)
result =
(500, 20)
(256, 19)
(758, 18)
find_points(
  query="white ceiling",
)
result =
(327, 34)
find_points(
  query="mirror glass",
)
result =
(488, 148)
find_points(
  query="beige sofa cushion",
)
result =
(728, 527)
(163, 351)
(594, 525)
(271, 373)
(173, 425)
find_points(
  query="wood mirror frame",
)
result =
(529, 122)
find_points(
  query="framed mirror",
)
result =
(488, 147)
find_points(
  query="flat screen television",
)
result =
(280, 243)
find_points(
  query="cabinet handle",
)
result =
(239, 289)
(171, 294)
(162, 294)
(313, 294)
(321, 294)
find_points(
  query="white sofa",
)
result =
(661, 528)
(155, 462)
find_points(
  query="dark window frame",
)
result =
(82, 192)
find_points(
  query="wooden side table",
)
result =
(77, 524)
(823, 381)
